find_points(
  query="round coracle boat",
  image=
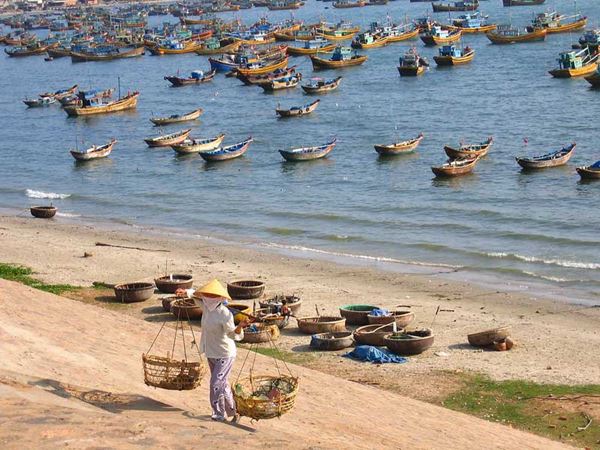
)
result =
(409, 342)
(186, 309)
(331, 341)
(277, 319)
(166, 302)
(321, 324)
(168, 284)
(134, 292)
(402, 318)
(43, 212)
(246, 289)
(357, 314)
(260, 332)
(292, 302)
(372, 334)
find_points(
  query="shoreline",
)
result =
(484, 279)
(548, 334)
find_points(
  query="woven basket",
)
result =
(265, 333)
(43, 212)
(134, 292)
(321, 324)
(245, 289)
(186, 309)
(166, 373)
(263, 408)
(365, 335)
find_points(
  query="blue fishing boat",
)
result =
(452, 55)
(225, 153)
(227, 62)
(473, 23)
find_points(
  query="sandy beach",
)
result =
(556, 342)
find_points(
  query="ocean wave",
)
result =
(63, 214)
(553, 262)
(40, 194)
(358, 256)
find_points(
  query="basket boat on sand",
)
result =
(321, 324)
(487, 337)
(409, 342)
(265, 397)
(134, 292)
(402, 318)
(357, 314)
(372, 334)
(260, 332)
(168, 284)
(331, 341)
(246, 289)
(292, 302)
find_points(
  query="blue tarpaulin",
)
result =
(374, 355)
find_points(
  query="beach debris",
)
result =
(87, 254)
(104, 244)
(442, 354)
(589, 422)
(502, 345)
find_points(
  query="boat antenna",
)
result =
(119, 83)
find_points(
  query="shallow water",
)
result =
(539, 227)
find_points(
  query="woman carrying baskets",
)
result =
(217, 342)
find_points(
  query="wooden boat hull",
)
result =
(522, 2)
(229, 48)
(192, 47)
(382, 42)
(178, 82)
(441, 7)
(320, 63)
(164, 141)
(216, 155)
(566, 28)
(208, 145)
(298, 111)
(588, 174)
(348, 5)
(31, 52)
(411, 71)
(453, 60)
(58, 52)
(183, 118)
(404, 36)
(251, 42)
(85, 57)
(299, 51)
(572, 73)
(454, 171)
(461, 153)
(431, 41)
(337, 37)
(322, 89)
(534, 36)
(264, 70)
(291, 156)
(533, 164)
(103, 152)
(474, 30)
(401, 148)
(277, 85)
(129, 102)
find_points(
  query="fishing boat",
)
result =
(38, 102)
(590, 172)
(591, 39)
(301, 34)
(214, 46)
(522, 2)
(469, 150)
(368, 40)
(197, 77)
(277, 74)
(94, 152)
(594, 78)
(311, 47)
(399, 33)
(58, 52)
(450, 55)
(308, 153)
(190, 146)
(168, 140)
(284, 5)
(177, 118)
(226, 153)
(341, 57)
(440, 35)
(95, 105)
(455, 6)
(175, 47)
(411, 64)
(554, 22)
(75, 99)
(554, 159)
(282, 83)
(455, 167)
(108, 53)
(61, 93)
(472, 23)
(348, 4)
(338, 32)
(575, 64)
(297, 110)
(506, 34)
(262, 67)
(399, 148)
(317, 85)
(33, 49)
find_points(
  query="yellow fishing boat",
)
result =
(175, 48)
(96, 107)
(449, 55)
(401, 35)
(575, 64)
(312, 47)
(368, 40)
(342, 57)
(262, 67)
(439, 35)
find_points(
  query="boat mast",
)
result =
(119, 84)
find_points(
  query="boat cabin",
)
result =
(440, 32)
(342, 54)
(451, 50)
(573, 59)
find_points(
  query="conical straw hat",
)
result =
(214, 288)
